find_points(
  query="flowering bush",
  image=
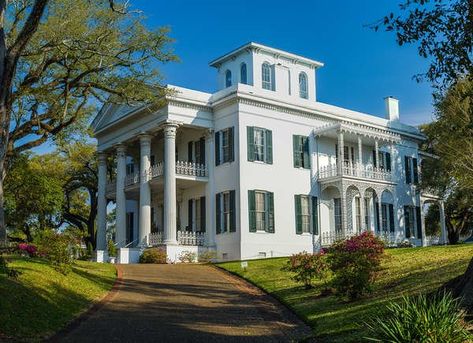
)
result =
(56, 248)
(27, 249)
(355, 263)
(187, 257)
(307, 266)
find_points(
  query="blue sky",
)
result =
(361, 66)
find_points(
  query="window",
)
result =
(129, 226)
(300, 146)
(306, 214)
(261, 211)
(196, 151)
(260, 144)
(243, 74)
(409, 221)
(367, 212)
(337, 207)
(383, 160)
(228, 78)
(224, 146)
(303, 92)
(358, 214)
(411, 170)
(130, 168)
(384, 217)
(266, 76)
(153, 160)
(225, 211)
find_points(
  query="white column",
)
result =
(210, 190)
(444, 238)
(120, 236)
(170, 232)
(313, 162)
(102, 202)
(145, 192)
(422, 224)
(376, 149)
(340, 153)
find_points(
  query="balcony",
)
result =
(183, 238)
(360, 171)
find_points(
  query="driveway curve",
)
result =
(186, 303)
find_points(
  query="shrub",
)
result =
(405, 244)
(207, 256)
(27, 249)
(307, 267)
(153, 255)
(187, 257)
(56, 248)
(421, 319)
(111, 248)
(355, 264)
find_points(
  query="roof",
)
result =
(256, 46)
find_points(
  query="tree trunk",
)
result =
(453, 236)
(462, 287)
(3, 229)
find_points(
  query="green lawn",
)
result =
(42, 300)
(405, 271)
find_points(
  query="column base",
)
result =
(101, 256)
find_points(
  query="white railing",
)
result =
(190, 238)
(191, 169)
(330, 237)
(155, 238)
(131, 179)
(157, 170)
(355, 170)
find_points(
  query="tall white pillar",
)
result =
(120, 236)
(442, 223)
(145, 192)
(360, 151)
(210, 190)
(422, 224)
(102, 202)
(340, 153)
(170, 232)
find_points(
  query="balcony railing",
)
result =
(183, 238)
(191, 169)
(355, 170)
(131, 179)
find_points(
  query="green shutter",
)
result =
(418, 222)
(315, 216)
(270, 212)
(203, 213)
(250, 138)
(388, 161)
(231, 142)
(391, 218)
(189, 151)
(218, 220)
(416, 171)
(298, 212)
(407, 169)
(305, 147)
(190, 204)
(252, 210)
(296, 151)
(202, 151)
(232, 212)
(217, 148)
(269, 146)
(407, 222)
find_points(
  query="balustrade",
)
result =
(355, 170)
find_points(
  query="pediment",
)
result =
(111, 113)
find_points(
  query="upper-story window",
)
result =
(243, 74)
(224, 146)
(410, 168)
(228, 78)
(303, 92)
(260, 144)
(266, 76)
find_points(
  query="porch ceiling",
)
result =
(352, 131)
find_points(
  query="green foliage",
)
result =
(7, 270)
(111, 248)
(355, 264)
(187, 257)
(442, 31)
(207, 256)
(307, 267)
(154, 255)
(56, 248)
(422, 319)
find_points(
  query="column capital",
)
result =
(170, 128)
(121, 150)
(102, 157)
(209, 134)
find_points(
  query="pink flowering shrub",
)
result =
(307, 267)
(28, 249)
(355, 264)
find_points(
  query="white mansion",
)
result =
(258, 169)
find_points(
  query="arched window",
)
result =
(266, 76)
(243, 77)
(228, 78)
(303, 86)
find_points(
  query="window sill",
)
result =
(225, 164)
(262, 232)
(261, 162)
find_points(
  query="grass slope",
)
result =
(42, 300)
(405, 272)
